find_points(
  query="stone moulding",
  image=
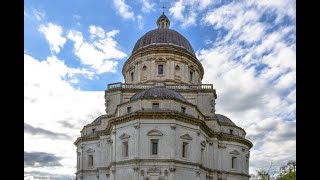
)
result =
(199, 166)
(164, 115)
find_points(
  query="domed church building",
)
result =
(160, 124)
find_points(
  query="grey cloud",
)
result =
(43, 175)
(67, 124)
(39, 131)
(40, 159)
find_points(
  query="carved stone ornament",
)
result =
(153, 170)
(137, 126)
(166, 172)
(110, 141)
(172, 169)
(198, 133)
(222, 146)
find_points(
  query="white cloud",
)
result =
(177, 10)
(252, 32)
(49, 101)
(101, 52)
(186, 11)
(190, 20)
(140, 22)
(53, 34)
(123, 9)
(283, 7)
(39, 15)
(204, 4)
(286, 81)
(147, 6)
(254, 98)
(96, 32)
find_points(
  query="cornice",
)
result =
(164, 115)
(169, 161)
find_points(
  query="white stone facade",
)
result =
(162, 138)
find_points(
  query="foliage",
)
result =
(286, 172)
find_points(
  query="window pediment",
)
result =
(124, 136)
(203, 143)
(235, 152)
(186, 136)
(90, 150)
(154, 132)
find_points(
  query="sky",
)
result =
(74, 49)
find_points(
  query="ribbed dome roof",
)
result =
(158, 92)
(163, 35)
(225, 120)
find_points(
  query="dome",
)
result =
(163, 35)
(158, 92)
(225, 120)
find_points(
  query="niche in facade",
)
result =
(177, 72)
(144, 72)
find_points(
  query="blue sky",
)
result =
(73, 49)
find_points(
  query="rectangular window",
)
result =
(247, 164)
(93, 130)
(90, 160)
(78, 162)
(155, 106)
(132, 77)
(129, 109)
(160, 69)
(125, 149)
(191, 76)
(184, 149)
(183, 109)
(201, 155)
(154, 147)
(233, 162)
(231, 131)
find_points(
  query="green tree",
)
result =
(288, 172)
(263, 174)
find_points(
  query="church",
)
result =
(161, 124)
